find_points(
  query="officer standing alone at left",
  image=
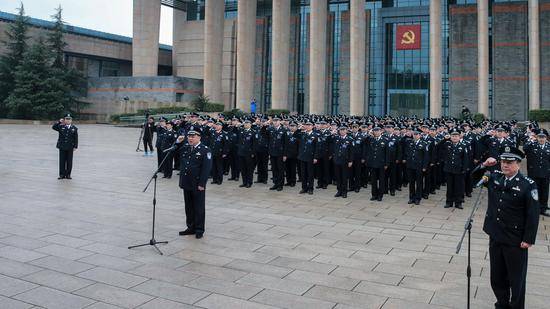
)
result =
(67, 143)
(511, 222)
(196, 162)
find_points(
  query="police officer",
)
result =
(342, 156)
(160, 128)
(246, 146)
(290, 156)
(148, 131)
(537, 150)
(324, 145)
(233, 161)
(511, 222)
(262, 150)
(67, 143)
(377, 160)
(196, 162)
(417, 160)
(357, 144)
(276, 137)
(167, 139)
(219, 144)
(307, 155)
(456, 161)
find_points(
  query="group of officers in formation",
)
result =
(388, 153)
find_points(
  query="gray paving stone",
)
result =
(8, 303)
(274, 283)
(303, 265)
(171, 291)
(285, 300)
(110, 262)
(334, 295)
(213, 271)
(19, 254)
(58, 281)
(259, 268)
(161, 303)
(23, 242)
(62, 265)
(216, 301)
(100, 305)
(224, 287)
(113, 295)
(64, 252)
(12, 286)
(112, 277)
(394, 303)
(68, 241)
(50, 298)
(16, 269)
(415, 295)
(322, 279)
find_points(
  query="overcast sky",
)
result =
(112, 16)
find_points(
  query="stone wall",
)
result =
(545, 53)
(462, 58)
(510, 61)
(114, 95)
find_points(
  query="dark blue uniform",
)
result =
(219, 144)
(377, 161)
(456, 162)
(307, 152)
(165, 139)
(417, 160)
(512, 217)
(291, 154)
(246, 152)
(262, 155)
(358, 140)
(276, 137)
(233, 160)
(196, 163)
(342, 155)
(67, 142)
(538, 168)
(324, 144)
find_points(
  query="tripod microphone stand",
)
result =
(153, 242)
(468, 228)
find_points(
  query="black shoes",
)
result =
(68, 177)
(274, 188)
(198, 235)
(186, 232)
(392, 193)
(545, 212)
(338, 194)
(279, 188)
(310, 191)
(379, 199)
(417, 202)
(458, 205)
(356, 190)
(344, 195)
(61, 177)
(242, 186)
(374, 198)
(302, 191)
(448, 205)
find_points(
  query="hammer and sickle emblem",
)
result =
(408, 37)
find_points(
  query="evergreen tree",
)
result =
(38, 93)
(55, 39)
(15, 46)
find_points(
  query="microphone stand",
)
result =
(153, 242)
(468, 228)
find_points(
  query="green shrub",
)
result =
(213, 107)
(272, 112)
(479, 118)
(539, 115)
(165, 110)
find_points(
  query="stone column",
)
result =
(358, 24)
(483, 57)
(435, 58)
(534, 55)
(280, 54)
(213, 49)
(179, 18)
(317, 56)
(246, 45)
(145, 42)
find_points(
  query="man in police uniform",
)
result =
(511, 222)
(196, 162)
(307, 155)
(276, 138)
(537, 150)
(342, 155)
(291, 154)
(67, 143)
(455, 164)
(377, 160)
(246, 146)
(417, 160)
(219, 144)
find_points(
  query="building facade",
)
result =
(398, 57)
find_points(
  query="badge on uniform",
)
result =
(209, 155)
(516, 188)
(535, 194)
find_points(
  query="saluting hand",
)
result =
(181, 138)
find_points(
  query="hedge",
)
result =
(540, 115)
(213, 107)
(154, 111)
(272, 112)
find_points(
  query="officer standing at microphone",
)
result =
(195, 165)
(511, 222)
(67, 143)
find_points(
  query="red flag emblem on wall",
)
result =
(408, 37)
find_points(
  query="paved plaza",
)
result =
(63, 243)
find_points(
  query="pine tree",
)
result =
(16, 46)
(55, 39)
(38, 93)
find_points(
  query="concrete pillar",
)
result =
(213, 49)
(280, 54)
(178, 20)
(534, 55)
(358, 24)
(246, 45)
(435, 58)
(317, 56)
(145, 42)
(483, 57)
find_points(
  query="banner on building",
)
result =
(408, 37)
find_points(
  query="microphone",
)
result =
(170, 149)
(483, 180)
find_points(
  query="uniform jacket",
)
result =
(513, 210)
(291, 144)
(416, 154)
(376, 152)
(276, 137)
(538, 159)
(68, 136)
(456, 157)
(219, 144)
(195, 165)
(342, 150)
(307, 150)
(247, 143)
